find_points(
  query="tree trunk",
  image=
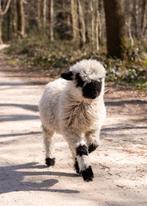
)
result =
(95, 25)
(115, 28)
(100, 17)
(8, 27)
(135, 17)
(39, 14)
(143, 14)
(21, 18)
(75, 23)
(44, 13)
(128, 11)
(82, 23)
(1, 40)
(92, 24)
(131, 40)
(97, 29)
(14, 19)
(52, 20)
(2, 13)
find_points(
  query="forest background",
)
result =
(49, 35)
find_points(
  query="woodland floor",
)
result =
(120, 163)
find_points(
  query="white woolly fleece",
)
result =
(89, 69)
(62, 110)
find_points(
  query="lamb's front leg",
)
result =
(81, 154)
(93, 139)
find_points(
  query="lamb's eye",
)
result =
(79, 81)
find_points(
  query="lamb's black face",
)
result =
(90, 89)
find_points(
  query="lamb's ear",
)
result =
(67, 75)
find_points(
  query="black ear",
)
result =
(67, 75)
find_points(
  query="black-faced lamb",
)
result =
(73, 106)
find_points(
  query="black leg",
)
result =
(76, 166)
(85, 168)
(92, 147)
(88, 174)
(50, 161)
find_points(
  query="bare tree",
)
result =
(115, 28)
(39, 13)
(92, 23)
(14, 19)
(97, 30)
(135, 15)
(143, 16)
(44, 13)
(21, 18)
(75, 23)
(82, 20)
(2, 13)
(82, 23)
(52, 20)
(95, 25)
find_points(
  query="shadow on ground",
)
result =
(12, 179)
(29, 107)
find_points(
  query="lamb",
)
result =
(73, 106)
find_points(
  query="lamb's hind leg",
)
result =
(47, 135)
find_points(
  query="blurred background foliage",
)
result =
(50, 35)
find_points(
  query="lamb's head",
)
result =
(88, 78)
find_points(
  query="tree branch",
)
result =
(2, 13)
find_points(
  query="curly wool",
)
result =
(62, 106)
(64, 109)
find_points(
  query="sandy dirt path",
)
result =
(120, 163)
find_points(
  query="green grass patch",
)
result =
(37, 53)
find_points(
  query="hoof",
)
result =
(76, 167)
(87, 174)
(50, 161)
(92, 147)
